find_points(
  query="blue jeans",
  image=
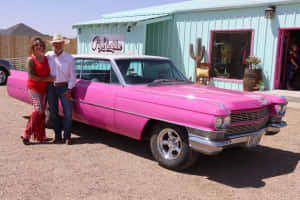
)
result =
(291, 69)
(55, 93)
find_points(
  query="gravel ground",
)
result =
(103, 165)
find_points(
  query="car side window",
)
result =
(95, 70)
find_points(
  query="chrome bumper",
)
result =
(209, 147)
(274, 128)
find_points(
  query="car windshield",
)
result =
(150, 71)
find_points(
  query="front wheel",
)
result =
(3, 77)
(169, 146)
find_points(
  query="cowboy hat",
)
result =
(58, 38)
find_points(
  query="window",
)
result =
(95, 70)
(78, 65)
(146, 71)
(229, 52)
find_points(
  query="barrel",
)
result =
(250, 79)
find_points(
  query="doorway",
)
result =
(286, 38)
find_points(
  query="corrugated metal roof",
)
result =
(169, 9)
(198, 5)
(129, 19)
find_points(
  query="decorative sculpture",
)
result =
(200, 50)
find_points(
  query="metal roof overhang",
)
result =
(138, 20)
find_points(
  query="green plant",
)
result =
(260, 86)
(253, 60)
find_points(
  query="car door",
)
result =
(95, 92)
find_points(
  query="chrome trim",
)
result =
(278, 125)
(274, 128)
(118, 72)
(190, 129)
(208, 147)
(145, 116)
(17, 87)
(246, 134)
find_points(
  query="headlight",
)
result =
(222, 122)
(280, 109)
(227, 121)
(219, 123)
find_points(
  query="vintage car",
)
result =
(148, 98)
(5, 67)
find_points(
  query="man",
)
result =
(62, 67)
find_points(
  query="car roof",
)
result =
(118, 56)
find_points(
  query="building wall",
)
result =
(172, 38)
(16, 48)
(134, 41)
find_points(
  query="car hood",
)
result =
(195, 97)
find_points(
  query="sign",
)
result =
(113, 43)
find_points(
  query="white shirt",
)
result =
(62, 67)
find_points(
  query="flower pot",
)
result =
(258, 75)
(251, 78)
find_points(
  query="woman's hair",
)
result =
(34, 42)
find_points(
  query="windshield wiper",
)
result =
(162, 81)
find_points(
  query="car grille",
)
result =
(250, 115)
(245, 128)
(261, 114)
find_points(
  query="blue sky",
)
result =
(57, 16)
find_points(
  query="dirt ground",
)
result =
(103, 165)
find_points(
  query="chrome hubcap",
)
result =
(2, 76)
(170, 143)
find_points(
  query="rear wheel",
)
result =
(3, 77)
(169, 146)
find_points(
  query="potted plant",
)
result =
(252, 74)
(253, 60)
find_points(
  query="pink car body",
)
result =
(133, 110)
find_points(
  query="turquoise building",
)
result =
(230, 30)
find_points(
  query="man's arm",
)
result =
(72, 80)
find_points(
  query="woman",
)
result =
(38, 76)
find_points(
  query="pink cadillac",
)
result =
(148, 98)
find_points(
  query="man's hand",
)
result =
(68, 95)
(51, 78)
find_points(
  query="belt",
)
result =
(60, 84)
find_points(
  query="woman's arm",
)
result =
(32, 76)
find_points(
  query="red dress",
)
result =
(37, 91)
(42, 70)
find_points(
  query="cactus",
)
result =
(200, 50)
